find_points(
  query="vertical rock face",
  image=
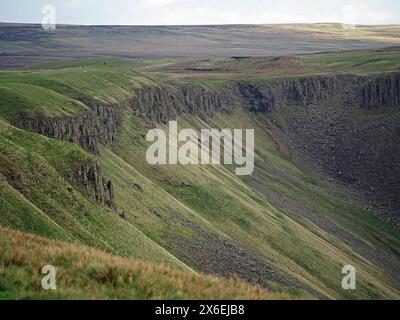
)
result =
(256, 100)
(300, 91)
(381, 92)
(305, 91)
(370, 92)
(100, 125)
(89, 177)
(163, 103)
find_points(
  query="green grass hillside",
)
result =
(217, 199)
(285, 228)
(36, 198)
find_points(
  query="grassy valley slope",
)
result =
(284, 228)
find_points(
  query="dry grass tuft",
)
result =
(86, 273)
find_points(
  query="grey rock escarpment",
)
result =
(369, 91)
(267, 95)
(160, 103)
(98, 126)
(363, 155)
(381, 91)
(163, 103)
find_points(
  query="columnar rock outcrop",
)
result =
(267, 95)
(89, 177)
(382, 91)
(163, 103)
(98, 126)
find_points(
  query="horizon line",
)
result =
(199, 25)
